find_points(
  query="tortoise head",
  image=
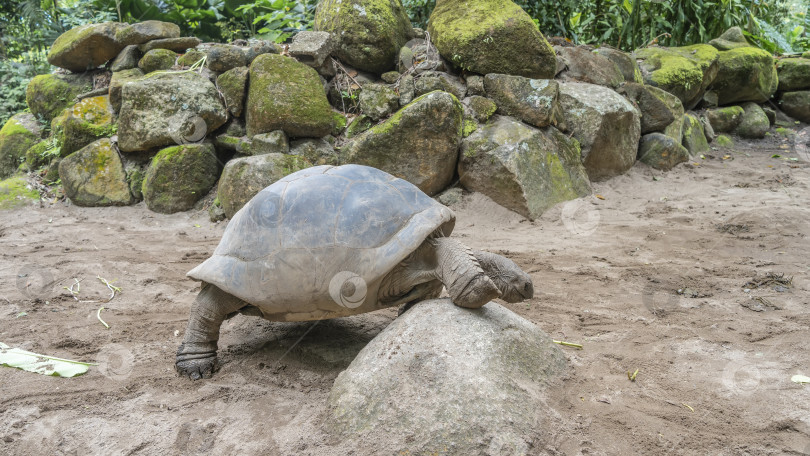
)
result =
(515, 284)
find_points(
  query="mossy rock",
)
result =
(190, 58)
(661, 151)
(156, 60)
(368, 33)
(359, 125)
(178, 176)
(127, 59)
(745, 74)
(285, 94)
(491, 36)
(694, 138)
(94, 176)
(142, 32)
(732, 38)
(794, 74)
(88, 120)
(724, 141)
(181, 44)
(315, 151)
(224, 57)
(754, 123)
(725, 120)
(429, 81)
(86, 47)
(244, 177)
(656, 114)
(583, 65)
(275, 142)
(685, 72)
(15, 192)
(524, 169)
(624, 61)
(378, 101)
(796, 104)
(119, 78)
(162, 109)
(18, 135)
(479, 108)
(419, 143)
(47, 95)
(233, 86)
(37, 156)
(534, 101)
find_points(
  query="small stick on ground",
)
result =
(75, 293)
(567, 344)
(98, 315)
(113, 288)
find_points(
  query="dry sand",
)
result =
(713, 372)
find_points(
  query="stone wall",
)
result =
(138, 112)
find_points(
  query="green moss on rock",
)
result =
(724, 141)
(745, 74)
(86, 47)
(287, 95)
(368, 33)
(47, 95)
(15, 192)
(233, 86)
(94, 176)
(18, 134)
(88, 120)
(156, 60)
(485, 36)
(724, 120)
(685, 72)
(178, 176)
(794, 74)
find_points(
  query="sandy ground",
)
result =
(714, 364)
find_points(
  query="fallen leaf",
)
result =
(599, 196)
(41, 364)
(800, 379)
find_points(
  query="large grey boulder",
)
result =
(491, 36)
(47, 95)
(607, 126)
(244, 177)
(86, 47)
(796, 104)
(474, 384)
(534, 101)
(522, 168)
(754, 123)
(725, 120)
(164, 109)
(732, 38)
(142, 32)
(661, 151)
(745, 74)
(685, 72)
(178, 176)
(19, 134)
(117, 82)
(284, 94)
(582, 65)
(368, 33)
(419, 143)
(95, 176)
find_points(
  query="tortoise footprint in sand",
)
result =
(329, 242)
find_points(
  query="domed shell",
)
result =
(317, 243)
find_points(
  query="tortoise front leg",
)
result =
(469, 286)
(197, 355)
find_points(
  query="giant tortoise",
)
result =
(328, 242)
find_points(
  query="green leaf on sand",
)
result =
(41, 364)
(800, 379)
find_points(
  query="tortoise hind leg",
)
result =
(469, 286)
(197, 355)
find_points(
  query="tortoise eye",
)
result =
(527, 287)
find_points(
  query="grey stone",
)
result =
(419, 143)
(168, 109)
(725, 120)
(315, 151)
(534, 101)
(95, 176)
(479, 108)
(233, 86)
(487, 369)
(173, 44)
(661, 151)
(656, 114)
(127, 59)
(594, 114)
(732, 38)
(475, 85)
(86, 47)
(754, 123)
(156, 60)
(794, 74)
(582, 65)
(117, 82)
(141, 32)
(312, 48)
(429, 81)
(378, 101)
(224, 57)
(694, 137)
(522, 168)
(745, 74)
(624, 61)
(274, 142)
(179, 176)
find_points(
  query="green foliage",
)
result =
(277, 19)
(419, 11)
